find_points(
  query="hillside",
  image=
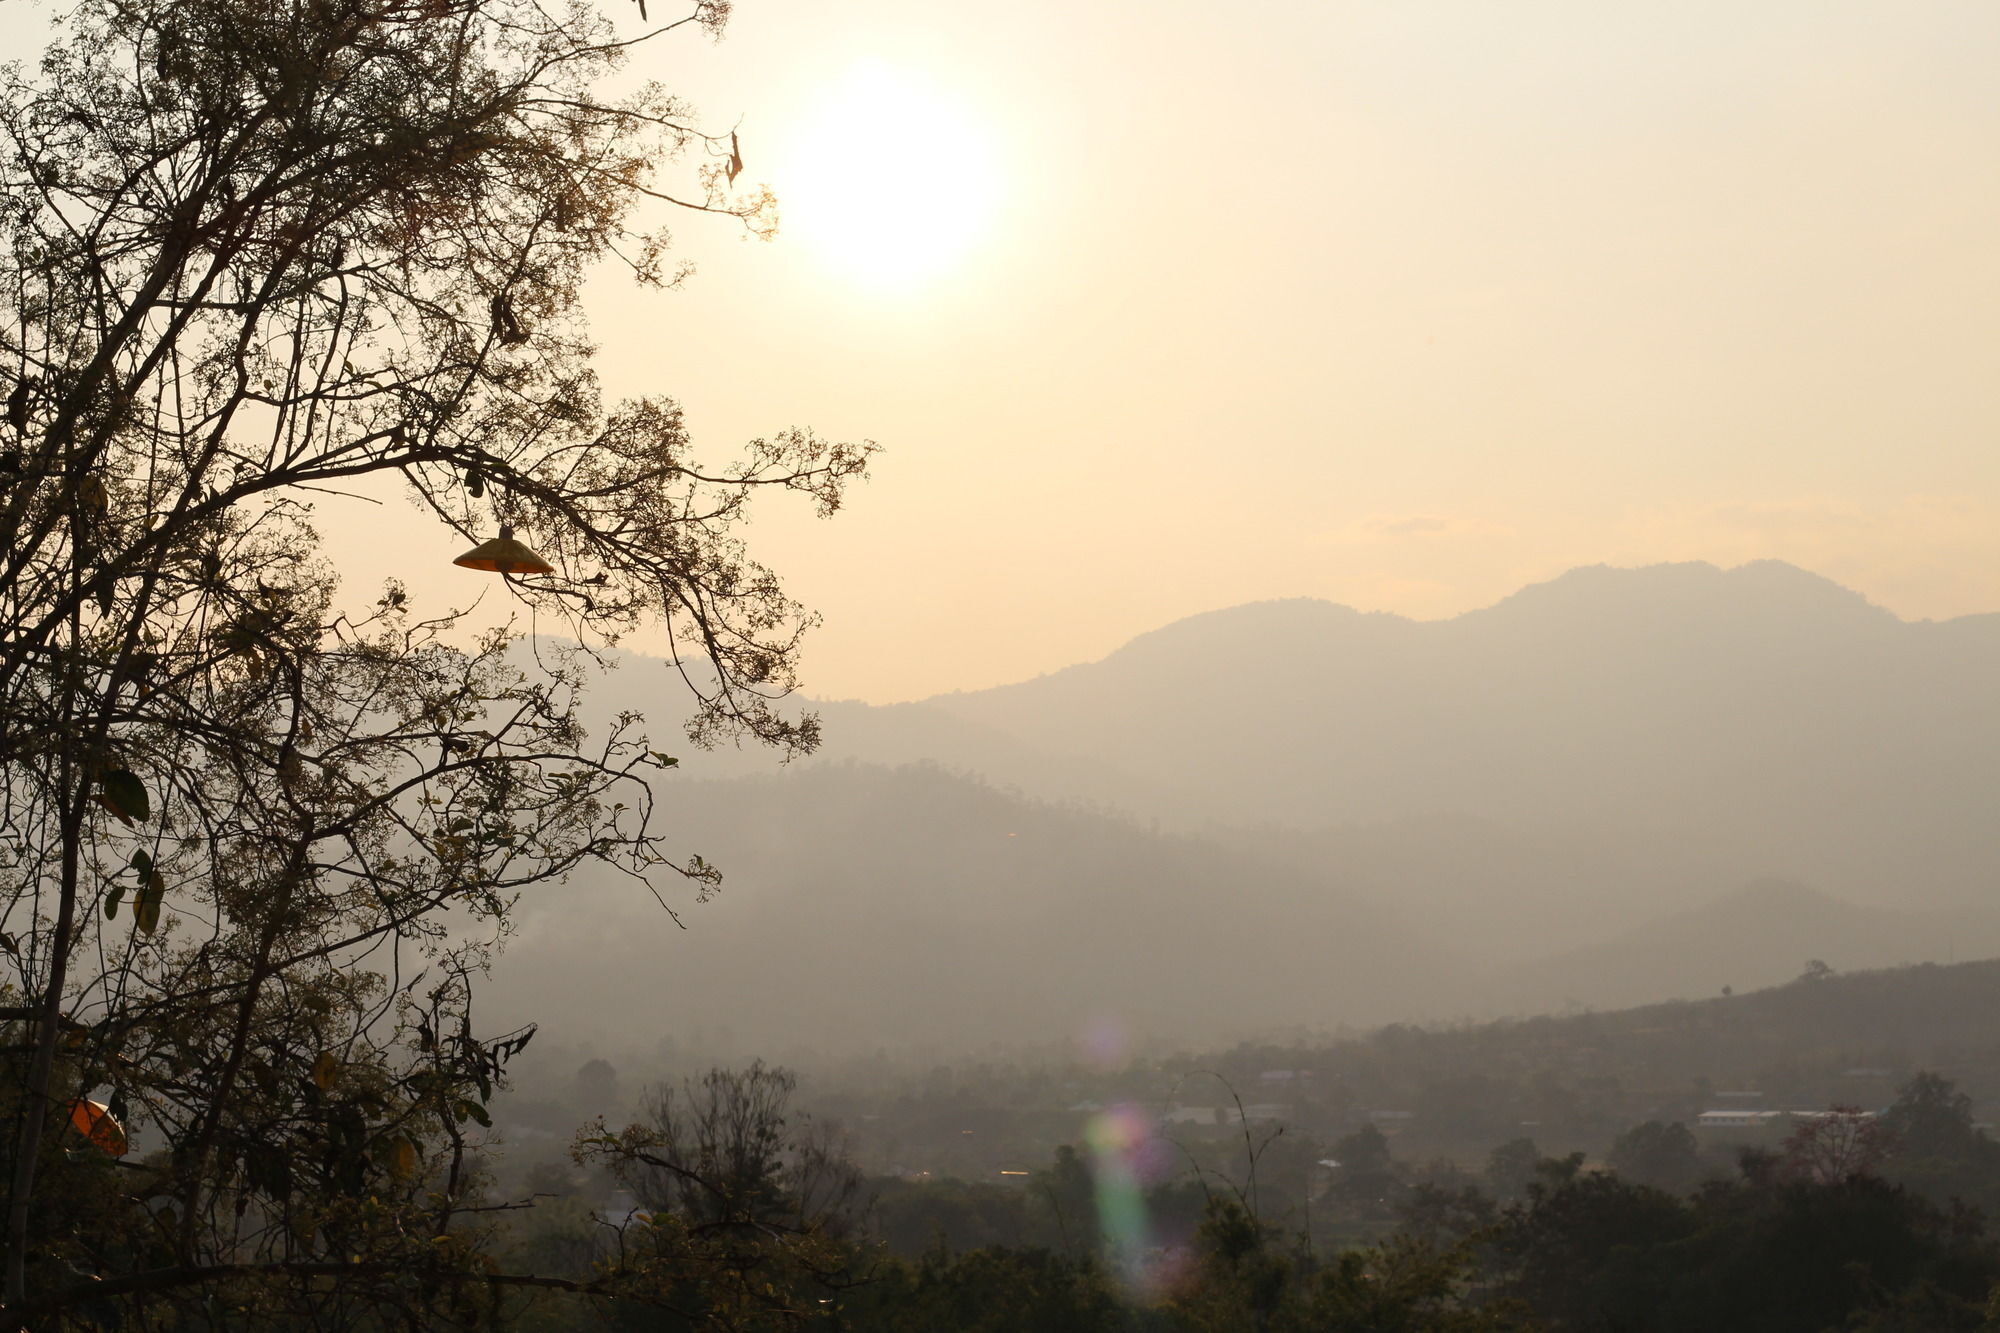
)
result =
(1758, 721)
(1787, 1040)
(1564, 794)
(1598, 745)
(869, 907)
(1577, 1080)
(1756, 936)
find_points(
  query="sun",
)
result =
(891, 180)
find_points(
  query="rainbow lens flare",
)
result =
(1124, 1156)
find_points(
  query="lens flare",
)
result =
(1125, 1156)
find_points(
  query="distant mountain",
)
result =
(1758, 936)
(1745, 722)
(1543, 802)
(867, 907)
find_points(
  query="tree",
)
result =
(1438, 1214)
(724, 1147)
(1066, 1192)
(1766, 1253)
(1835, 1144)
(595, 1087)
(1243, 1278)
(1404, 1285)
(1576, 1249)
(1931, 1118)
(745, 1211)
(1512, 1167)
(1661, 1155)
(1367, 1173)
(990, 1290)
(1936, 1149)
(253, 845)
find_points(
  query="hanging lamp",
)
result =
(504, 555)
(94, 1121)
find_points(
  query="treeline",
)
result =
(736, 1215)
(1571, 1082)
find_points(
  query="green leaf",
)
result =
(142, 862)
(111, 902)
(121, 792)
(146, 907)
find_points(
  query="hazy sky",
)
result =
(1402, 304)
(1161, 307)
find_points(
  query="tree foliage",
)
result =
(1664, 1156)
(253, 839)
(1837, 1143)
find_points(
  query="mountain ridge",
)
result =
(1561, 781)
(1577, 583)
(1012, 918)
(1760, 706)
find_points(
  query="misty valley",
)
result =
(1288, 818)
(1499, 945)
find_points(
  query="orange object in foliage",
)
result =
(504, 555)
(93, 1121)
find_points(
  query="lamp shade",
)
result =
(504, 555)
(94, 1121)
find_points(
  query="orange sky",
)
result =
(1401, 303)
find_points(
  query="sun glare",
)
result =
(892, 180)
